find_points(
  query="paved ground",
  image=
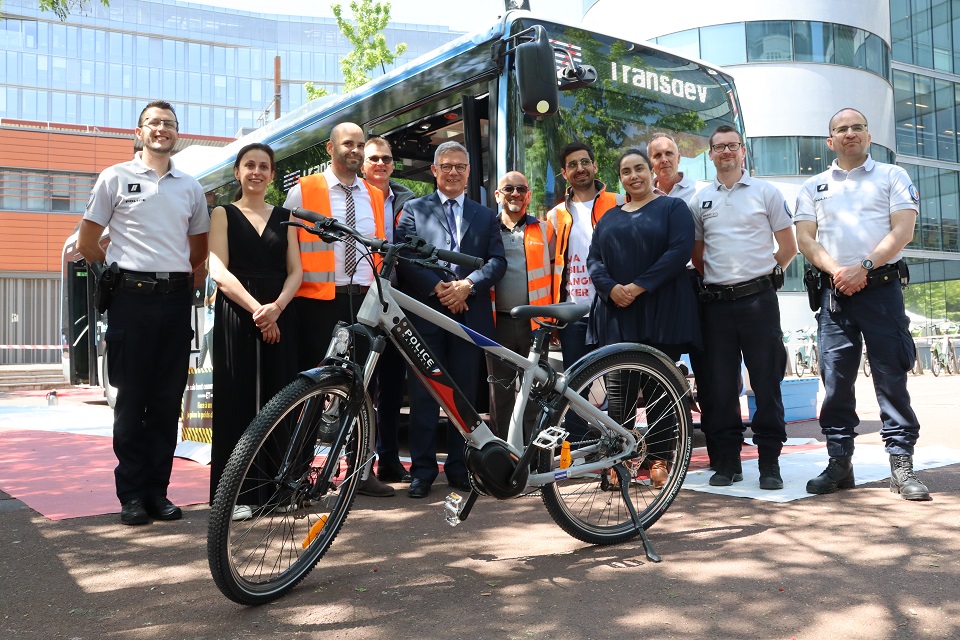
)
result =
(857, 564)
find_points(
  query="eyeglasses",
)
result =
(509, 188)
(573, 164)
(447, 168)
(379, 159)
(156, 124)
(733, 146)
(854, 128)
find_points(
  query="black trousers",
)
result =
(516, 335)
(749, 326)
(148, 353)
(316, 320)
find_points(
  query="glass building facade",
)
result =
(215, 65)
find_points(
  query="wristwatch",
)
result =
(473, 290)
(867, 264)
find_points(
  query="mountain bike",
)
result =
(603, 424)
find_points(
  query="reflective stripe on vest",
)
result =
(317, 257)
(536, 243)
(601, 204)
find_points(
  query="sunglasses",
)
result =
(509, 188)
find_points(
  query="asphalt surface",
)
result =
(860, 563)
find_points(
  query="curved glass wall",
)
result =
(939, 219)
(784, 40)
(799, 155)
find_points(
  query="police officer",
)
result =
(736, 219)
(853, 221)
(528, 248)
(158, 224)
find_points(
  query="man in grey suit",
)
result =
(448, 220)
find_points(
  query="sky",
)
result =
(464, 15)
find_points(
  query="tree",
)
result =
(62, 8)
(370, 48)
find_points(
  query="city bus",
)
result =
(513, 94)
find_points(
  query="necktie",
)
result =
(452, 223)
(350, 248)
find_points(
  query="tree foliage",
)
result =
(370, 48)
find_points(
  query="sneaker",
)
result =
(242, 512)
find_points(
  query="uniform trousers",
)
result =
(749, 326)
(148, 353)
(391, 374)
(316, 320)
(874, 315)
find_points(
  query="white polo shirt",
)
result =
(149, 216)
(686, 189)
(366, 225)
(737, 226)
(852, 208)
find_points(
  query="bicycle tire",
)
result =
(952, 362)
(935, 365)
(867, 371)
(258, 560)
(800, 364)
(590, 508)
(814, 361)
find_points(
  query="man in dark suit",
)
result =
(448, 220)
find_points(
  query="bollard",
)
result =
(52, 398)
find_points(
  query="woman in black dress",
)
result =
(255, 262)
(637, 260)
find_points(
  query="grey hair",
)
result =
(447, 147)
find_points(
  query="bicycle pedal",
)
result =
(550, 438)
(452, 505)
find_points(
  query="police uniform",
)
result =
(148, 336)
(852, 212)
(741, 311)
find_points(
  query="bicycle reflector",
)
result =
(314, 531)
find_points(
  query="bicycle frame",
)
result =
(383, 311)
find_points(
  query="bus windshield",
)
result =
(639, 92)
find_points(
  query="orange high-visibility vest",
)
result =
(536, 245)
(563, 221)
(319, 267)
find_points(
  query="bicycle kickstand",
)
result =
(624, 479)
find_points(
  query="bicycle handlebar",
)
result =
(414, 243)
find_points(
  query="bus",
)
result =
(513, 94)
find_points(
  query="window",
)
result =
(724, 44)
(686, 43)
(812, 41)
(769, 41)
(904, 112)
(945, 123)
(775, 156)
(815, 155)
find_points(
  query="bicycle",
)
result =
(302, 456)
(866, 362)
(807, 358)
(943, 356)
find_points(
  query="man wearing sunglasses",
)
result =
(378, 166)
(528, 247)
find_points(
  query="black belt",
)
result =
(728, 292)
(153, 281)
(351, 289)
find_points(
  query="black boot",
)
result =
(904, 481)
(728, 471)
(837, 475)
(770, 474)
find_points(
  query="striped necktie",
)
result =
(350, 247)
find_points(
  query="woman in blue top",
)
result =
(637, 260)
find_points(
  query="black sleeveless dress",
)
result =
(259, 262)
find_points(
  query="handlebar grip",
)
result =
(462, 259)
(306, 214)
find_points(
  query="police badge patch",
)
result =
(133, 187)
(914, 194)
(822, 187)
(706, 204)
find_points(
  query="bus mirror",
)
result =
(537, 75)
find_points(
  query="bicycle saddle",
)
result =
(566, 312)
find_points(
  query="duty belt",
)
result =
(887, 274)
(153, 282)
(351, 289)
(718, 292)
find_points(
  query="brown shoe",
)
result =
(659, 472)
(373, 487)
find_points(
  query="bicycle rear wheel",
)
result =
(935, 365)
(799, 363)
(650, 398)
(296, 491)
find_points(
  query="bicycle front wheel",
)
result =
(286, 490)
(648, 397)
(935, 365)
(799, 363)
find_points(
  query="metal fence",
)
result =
(29, 318)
